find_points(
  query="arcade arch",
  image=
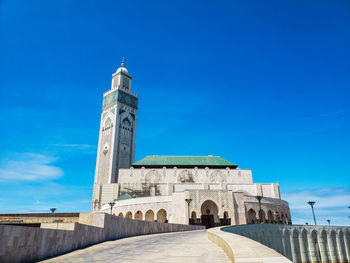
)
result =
(128, 215)
(193, 219)
(162, 216)
(138, 215)
(270, 217)
(251, 217)
(149, 216)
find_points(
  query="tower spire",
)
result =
(123, 64)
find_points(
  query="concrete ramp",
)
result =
(180, 247)
(27, 244)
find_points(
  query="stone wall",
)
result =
(27, 244)
(37, 218)
(299, 243)
(241, 249)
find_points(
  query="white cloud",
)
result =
(330, 203)
(29, 167)
(76, 146)
(334, 113)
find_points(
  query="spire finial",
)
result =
(123, 64)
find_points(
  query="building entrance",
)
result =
(207, 221)
(209, 217)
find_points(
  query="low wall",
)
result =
(241, 249)
(299, 243)
(37, 218)
(27, 244)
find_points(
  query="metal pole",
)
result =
(313, 212)
(111, 204)
(189, 216)
(188, 201)
(311, 203)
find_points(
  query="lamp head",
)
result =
(311, 203)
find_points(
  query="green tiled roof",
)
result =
(184, 161)
(124, 197)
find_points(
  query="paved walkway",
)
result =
(182, 247)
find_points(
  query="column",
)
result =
(346, 240)
(294, 243)
(322, 241)
(341, 249)
(286, 245)
(303, 247)
(314, 253)
(332, 247)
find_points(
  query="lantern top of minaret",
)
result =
(122, 68)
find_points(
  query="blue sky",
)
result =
(264, 84)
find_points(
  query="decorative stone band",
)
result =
(121, 96)
(242, 249)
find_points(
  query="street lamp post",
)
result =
(111, 204)
(259, 197)
(188, 201)
(53, 210)
(311, 203)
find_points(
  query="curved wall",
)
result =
(299, 243)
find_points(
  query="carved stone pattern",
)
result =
(217, 177)
(152, 176)
(185, 176)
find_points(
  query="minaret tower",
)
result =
(117, 137)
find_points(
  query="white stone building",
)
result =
(206, 190)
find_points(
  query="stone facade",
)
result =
(156, 187)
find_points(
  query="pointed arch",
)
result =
(162, 216)
(149, 216)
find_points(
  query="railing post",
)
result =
(314, 251)
(294, 244)
(322, 241)
(332, 247)
(341, 249)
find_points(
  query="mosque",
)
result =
(205, 190)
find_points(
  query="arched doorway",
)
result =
(282, 218)
(128, 215)
(251, 217)
(209, 212)
(262, 216)
(149, 216)
(193, 219)
(270, 217)
(226, 220)
(138, 215)
(161, 216)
